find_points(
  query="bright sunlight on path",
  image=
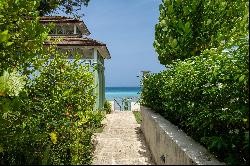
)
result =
(121, 142)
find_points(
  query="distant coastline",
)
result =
(122, 92)
(122, 87)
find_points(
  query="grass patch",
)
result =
(98, 130)
(137, 115)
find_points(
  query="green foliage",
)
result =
(54, 120)
(21, 34)
(67, 6)
(49, 118)
(107, 107)
(11, 84)
(51, 121)
(186, 28)
(207, 96)
(137, 115)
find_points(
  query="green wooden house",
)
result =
(74, 38)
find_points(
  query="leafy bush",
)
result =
(186, 28)
(47, 119)
(52, 121)
(207, 96)
(107, 107)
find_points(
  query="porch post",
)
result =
(103, 85)
(101, 82)
(74, 29)
(96, 80)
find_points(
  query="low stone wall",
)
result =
(171, 146)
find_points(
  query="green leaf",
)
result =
(1, 149)
(242, 78)
(170, 9)
(209, 21)
(4, 36)
(163, 23)
(166, 28)
(187, 27)
(9, 43)
(185, 9)
(215, 73)
(174, 43)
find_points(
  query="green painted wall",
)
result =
(100, 83)
(96, 91)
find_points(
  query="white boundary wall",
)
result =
(171, 146)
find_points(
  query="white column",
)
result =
(96, 77)
(95, 54)
(74, 29)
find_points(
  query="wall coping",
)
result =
(196, 152)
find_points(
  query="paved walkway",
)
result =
(121, 142)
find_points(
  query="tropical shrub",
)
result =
(54, 120)
(46, 118)
(207, 96)
(186, 28)
(107, 107)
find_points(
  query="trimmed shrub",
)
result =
(207, 96)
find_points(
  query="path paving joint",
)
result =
(121, 142)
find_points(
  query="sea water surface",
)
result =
(112, 93)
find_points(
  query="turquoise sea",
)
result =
(112, 93)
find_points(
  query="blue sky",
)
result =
(127, 27)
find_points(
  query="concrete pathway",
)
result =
(121, 142)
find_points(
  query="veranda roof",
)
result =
(65, 20)
(102, 48)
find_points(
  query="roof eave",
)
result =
(103, 50)
(83, 28)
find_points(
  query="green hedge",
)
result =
(207, 96)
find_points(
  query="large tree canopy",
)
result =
(21, 34)
(186, 28)
(67, 6)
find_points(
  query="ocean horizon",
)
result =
(112, 93)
